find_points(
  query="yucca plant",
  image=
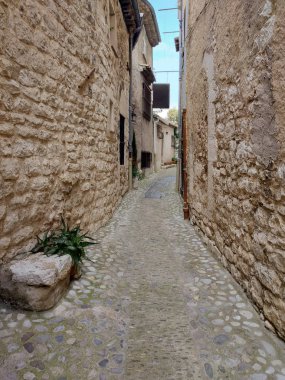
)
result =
(65, 241)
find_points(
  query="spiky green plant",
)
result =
(65, 241)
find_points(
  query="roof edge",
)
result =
(166, 122)
(158, 37)
(131, 14)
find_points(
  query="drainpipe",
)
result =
(133, 38)
(131, 129)
(182, 180)
(179, 173)
(155, 143)
(184, 166)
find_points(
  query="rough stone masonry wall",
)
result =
(236, 121)
(59, 154)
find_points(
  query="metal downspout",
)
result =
(179, 173)
(131, 130)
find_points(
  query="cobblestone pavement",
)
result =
(152, 304)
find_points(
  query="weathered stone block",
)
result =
(11, 221)
(9, 168)
(256, 291)
(4, 244)
(278, 260)
(2, 211)
(36, 282)
(268, 277)
(230, 255)
(22, 234)
(276, 315)
(6, 129)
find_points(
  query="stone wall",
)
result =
(236, 121)
(59, 147)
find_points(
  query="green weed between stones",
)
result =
(65, 241)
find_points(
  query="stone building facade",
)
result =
(143, 78)
(164, 142)
(236, 141)
(64, 106)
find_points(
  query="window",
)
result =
(122, 140)
(172, 141)
(146, 102)
(146, 159)
(113, 27)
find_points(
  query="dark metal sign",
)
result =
(161, 95)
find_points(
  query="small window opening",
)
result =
(146, 102)
(122, 140)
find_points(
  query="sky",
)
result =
(165, 55)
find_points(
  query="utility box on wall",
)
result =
(161, 95)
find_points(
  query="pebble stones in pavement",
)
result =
(152, 303)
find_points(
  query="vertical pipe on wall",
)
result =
(184, 165)
(131, 130)
(179, 173)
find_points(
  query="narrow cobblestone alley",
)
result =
(152, 304)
